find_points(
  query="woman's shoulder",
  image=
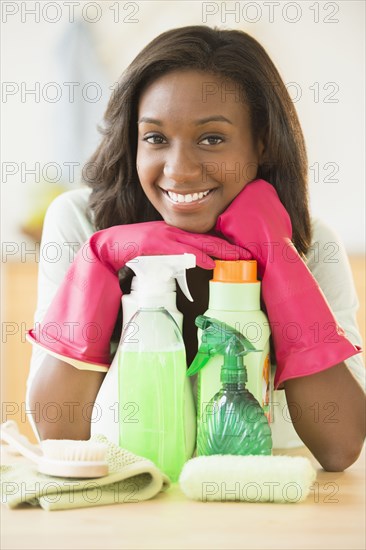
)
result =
(69, 216)
(326, 246)
(328, 261)
(323, 232)
(75, 199)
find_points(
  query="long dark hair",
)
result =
(117, 196)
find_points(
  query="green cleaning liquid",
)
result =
(234, 423)
(156, 405)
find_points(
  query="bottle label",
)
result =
(266, 386)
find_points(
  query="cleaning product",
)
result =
(154, 276)
(234, 298)
(152, 363)
(153, 391)
(233, 422)
(248, 478)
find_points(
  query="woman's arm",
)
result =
(328, 413)
(61, 399)
(328, 408)
(65, 229)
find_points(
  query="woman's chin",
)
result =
(192, 227)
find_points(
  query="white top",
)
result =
(66, 228)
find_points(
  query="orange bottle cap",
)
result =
(236, 271)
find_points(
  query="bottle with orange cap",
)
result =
(234, 298)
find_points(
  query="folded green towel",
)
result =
(131, 478)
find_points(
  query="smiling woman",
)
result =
(195, 152)
(201, 150)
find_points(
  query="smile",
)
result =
(188, 198)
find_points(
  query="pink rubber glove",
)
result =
(80, 320)
(306, 336)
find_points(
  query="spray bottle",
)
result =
(234, 298)
(154, 276)
(154, 288)
(233, 422)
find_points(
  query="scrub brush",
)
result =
(59, 457)
(251, 478)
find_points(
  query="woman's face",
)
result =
(195, 148)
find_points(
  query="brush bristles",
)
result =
(73, 450)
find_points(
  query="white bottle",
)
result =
(153, 283)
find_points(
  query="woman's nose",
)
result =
(181, 166)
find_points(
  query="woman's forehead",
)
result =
(195, 93)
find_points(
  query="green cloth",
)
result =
(131, 478)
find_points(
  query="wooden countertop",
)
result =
(332, 517)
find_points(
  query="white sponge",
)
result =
(247, 478)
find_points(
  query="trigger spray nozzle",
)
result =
(156, 274)
(218, 338)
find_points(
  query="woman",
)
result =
(202, 151)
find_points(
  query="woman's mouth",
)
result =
(187, 198)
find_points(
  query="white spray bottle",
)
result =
(155, 280)
(153, 284)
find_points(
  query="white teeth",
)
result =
(177, 197)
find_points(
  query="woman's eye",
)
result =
(212, 140)
(155, 139)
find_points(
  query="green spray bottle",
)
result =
(234, 298)
(157, 417)
(233, 422)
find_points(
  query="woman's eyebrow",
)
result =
(201, 121)
(214, 118)
(150, 121)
